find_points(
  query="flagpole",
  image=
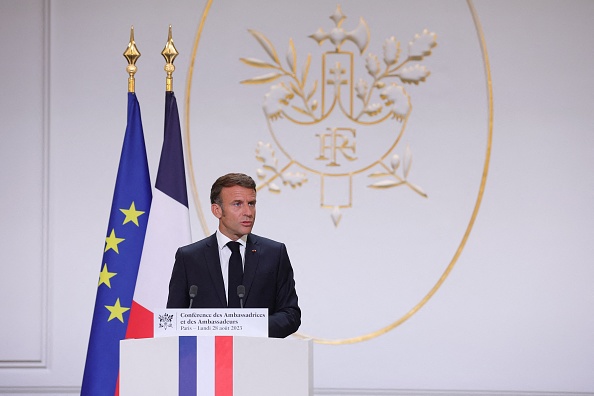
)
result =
(169, 53)
(132, 54)
(169, 223)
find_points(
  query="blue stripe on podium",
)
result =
(188, 363)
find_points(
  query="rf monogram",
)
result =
(337, 141)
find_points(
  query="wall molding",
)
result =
(42, 362)
(45, 308)
(411, 392)
(41, 390)
(70, 390)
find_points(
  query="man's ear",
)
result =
(216, 210)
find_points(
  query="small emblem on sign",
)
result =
(165, 321)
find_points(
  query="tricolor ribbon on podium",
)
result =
(211, 375)
(195, 365)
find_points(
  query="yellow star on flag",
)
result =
(105, 276)
(111, 242)
(132, 214)
(116, 311)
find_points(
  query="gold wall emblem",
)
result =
(319, 149)
(344, 123)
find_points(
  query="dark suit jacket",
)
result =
(268, 281)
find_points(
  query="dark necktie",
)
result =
(235, 275)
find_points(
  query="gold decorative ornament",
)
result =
(341, 118)
(131, 54)
(169, 53)
(316, 111)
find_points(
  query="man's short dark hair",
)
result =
(230, 180)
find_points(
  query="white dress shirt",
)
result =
(225, 255)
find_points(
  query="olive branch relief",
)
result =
(283, 93)
(380, 96)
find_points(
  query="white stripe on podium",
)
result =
(205, 370)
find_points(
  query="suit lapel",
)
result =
(213, 262)
(252, 258)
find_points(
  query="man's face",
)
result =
(237, 211)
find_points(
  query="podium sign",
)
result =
(216, 366)
(247, 322)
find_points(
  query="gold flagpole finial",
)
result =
(131, 54)
(169, 53)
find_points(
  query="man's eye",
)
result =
(236, 204)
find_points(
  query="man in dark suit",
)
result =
(214, 263)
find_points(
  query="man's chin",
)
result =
(247, 230)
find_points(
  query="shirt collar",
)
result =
(222, 240)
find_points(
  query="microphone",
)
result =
(241, 294)
(193, 292)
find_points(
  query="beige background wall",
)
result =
(515, 313)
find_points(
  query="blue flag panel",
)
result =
(171, 176)
(121, 258)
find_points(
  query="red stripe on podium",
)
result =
(223, 366)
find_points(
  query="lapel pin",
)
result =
(254, 251)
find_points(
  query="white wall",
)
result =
(514, 315)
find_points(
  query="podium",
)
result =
(216, 366)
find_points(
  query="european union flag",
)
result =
(121, 258)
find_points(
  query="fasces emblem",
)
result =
(346, 121)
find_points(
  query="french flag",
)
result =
(168, 228)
